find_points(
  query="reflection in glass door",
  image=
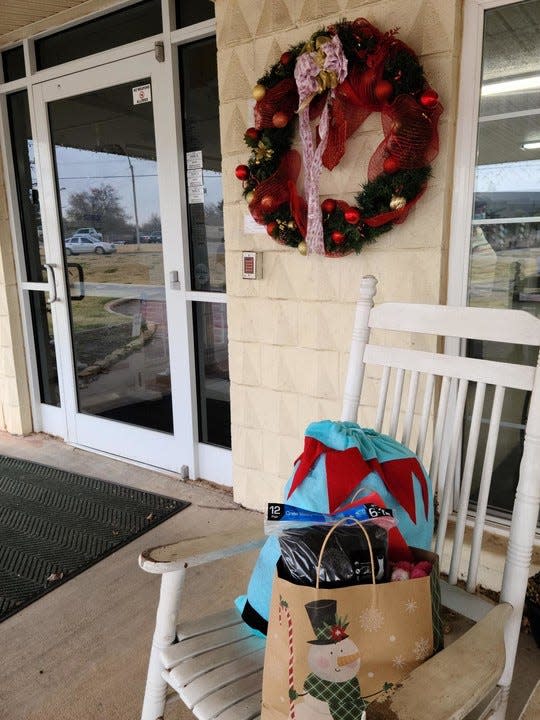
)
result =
(504, 258)
(200, 111)
(35, 278)
(108, 198)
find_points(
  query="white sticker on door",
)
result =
(142, 94)
(194, 160)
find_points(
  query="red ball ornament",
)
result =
(267, 203)
(352, 216)
(383, 90)
(242, 172)
(252, 133)
(391, 165)
(429, 98)
(338, 237)
(280, 119)
(328, 205)
(286, 58)
(272, 228)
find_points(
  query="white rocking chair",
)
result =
(215, 665)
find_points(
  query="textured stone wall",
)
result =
(289, 332)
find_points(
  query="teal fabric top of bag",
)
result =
(342, 463)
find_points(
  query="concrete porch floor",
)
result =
(80, 652)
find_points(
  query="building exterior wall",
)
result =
(289, 332)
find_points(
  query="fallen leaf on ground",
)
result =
(55, 576)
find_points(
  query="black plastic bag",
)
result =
(345, 561)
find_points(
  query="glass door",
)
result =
(112, 238)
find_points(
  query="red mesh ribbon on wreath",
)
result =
(410, 135)
(352, 104)
(393, 216)
(299, 208)
(356, 98)
(282, 97)
(368, 36)
(275, 191)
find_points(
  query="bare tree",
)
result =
(99, 207)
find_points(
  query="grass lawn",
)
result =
(92, 313)
(128, 268)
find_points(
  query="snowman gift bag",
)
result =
(334, 647)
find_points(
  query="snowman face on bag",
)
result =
(336, 662)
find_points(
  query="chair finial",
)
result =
(368, 287)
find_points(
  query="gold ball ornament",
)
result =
(259, 91)
(397, 202)
(249, 196)
(302, 247)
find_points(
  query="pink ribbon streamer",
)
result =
(312, 175)
(306, 74)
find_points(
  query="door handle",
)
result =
(174, 280)
(80, 273)
(53, 295)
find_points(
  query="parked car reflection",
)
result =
(79, 244)
(90, 232)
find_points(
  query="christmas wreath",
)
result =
(338, 78)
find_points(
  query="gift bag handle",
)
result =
(327, 538)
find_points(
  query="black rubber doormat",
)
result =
(55, 524)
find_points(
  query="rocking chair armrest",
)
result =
(199, 550)
(450, 684)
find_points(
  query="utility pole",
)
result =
(137, 234)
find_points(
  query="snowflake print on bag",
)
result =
(371, 619)
(411, 606)
(422, 649)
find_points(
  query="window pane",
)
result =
(211, 334)
(45, 349)
(25, 176)
(189, 12)
(504, 264)
(13, 63)
(200, 104)
(30, 219)
(108, 31)
(510, 53)
(107, 183)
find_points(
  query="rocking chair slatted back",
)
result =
(449, 409)
(470, 397)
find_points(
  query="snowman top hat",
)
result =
(328, 628)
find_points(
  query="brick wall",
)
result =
(289, 332)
